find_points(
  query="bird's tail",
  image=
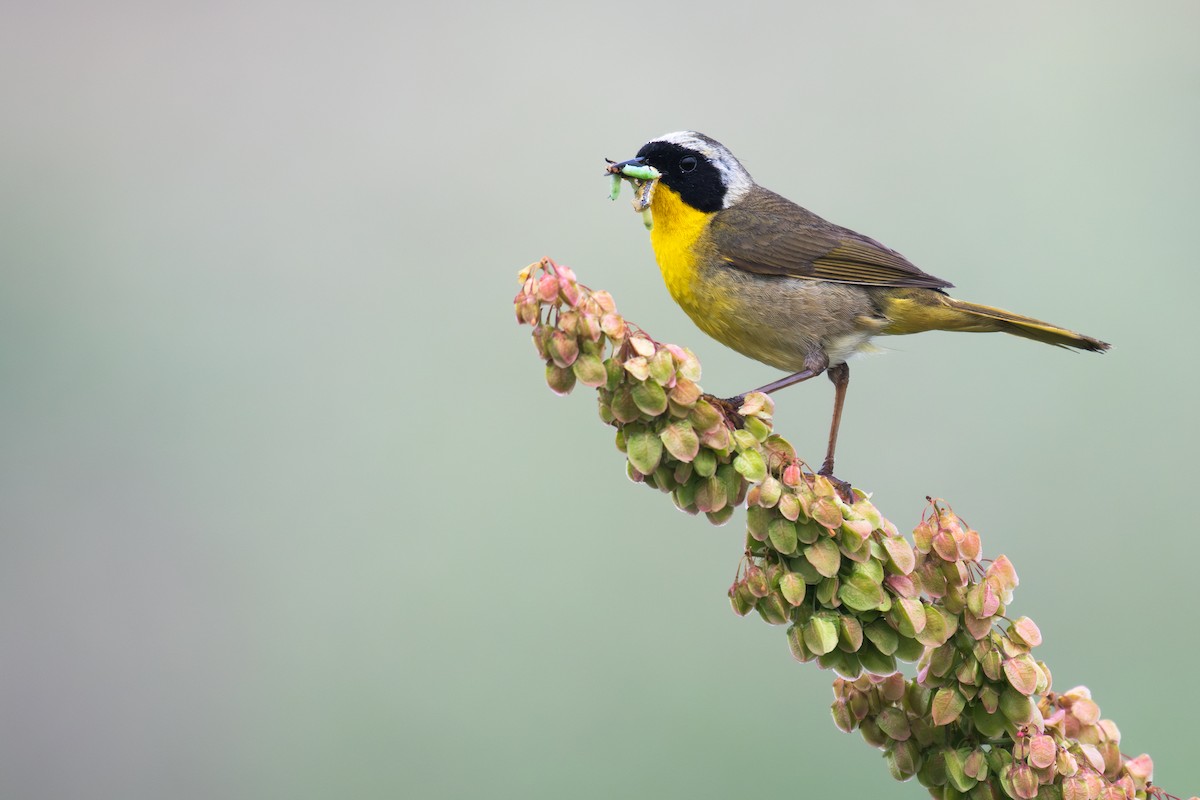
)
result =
(926, 310)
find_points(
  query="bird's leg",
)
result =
(783, 383)
(840, 375)
(730, 405)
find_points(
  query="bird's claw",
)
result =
(728, 406)
(843, 488)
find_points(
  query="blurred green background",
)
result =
(287, 510)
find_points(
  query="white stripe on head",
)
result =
(735, 177)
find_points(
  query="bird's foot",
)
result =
(728, 406)
(843, 488)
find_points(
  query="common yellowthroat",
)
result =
(783, 286)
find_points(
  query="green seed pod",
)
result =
(870, 569)
(547, 288)
(883, 636)
(662, 367)
(1022, 674)
(793, 588)
(685, 497)
(955, 773)
(860, 701)
(860, 552)
(821, 634)
(664, 478)
(848, 664)
(843, 663)
(872, 734)
(908, 616)
(757, 428)
(774, 609)
(782, 535)
(676, 410)
(909, 649)
(614, 374)
(750, 465)
(589, 370)
(933, 770)
(968, 672)
(1023, 782)
(623, 407)
(710, 494)
(789, 506)
(850, 633)
(825, 556)
(917, 699)
(606, 413)
(1046, 680)
(1075, 788)
(1065, 763)
(721, 516)
(735, 485)
(904, 759)
(1017, 707)
(643, 447)
(741, 599)
(948, 704)
(861, 594)
(842, 717)
(943, 659)
(989, 698)
(827, 592)
(1042, 750)
(800, 650)
(705, 416)
(807, 531)
(826, 512)
(770, 492)
(684, 392)
(974, 764)
(613, 326)
(561, 380)
(717, 439)
(756, 581)
(564, 348)
(894, 722)
(637, 367)
(743, 440)
(938, 627)
(901, 558)
(541, 341)
(705, 463)
(649, 397)
(680, 440)
(874, 661)
(757, 520)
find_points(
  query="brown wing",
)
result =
(768, 234)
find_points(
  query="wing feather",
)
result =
(768, 234)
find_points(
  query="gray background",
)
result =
(287, 511)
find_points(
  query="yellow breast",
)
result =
(677, 230)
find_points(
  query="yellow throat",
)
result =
(677, 227)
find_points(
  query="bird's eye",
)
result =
(687, 164)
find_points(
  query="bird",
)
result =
(781, 285)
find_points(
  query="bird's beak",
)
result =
(642, 177)
(635, 168)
